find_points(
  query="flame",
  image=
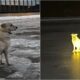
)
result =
(75, 42)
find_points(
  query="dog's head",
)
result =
(8, 27)
(74, 36)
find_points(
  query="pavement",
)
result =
(57, 59)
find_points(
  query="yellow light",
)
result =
(75, 42)
(75, 60)
(76, 55)
(75, 65)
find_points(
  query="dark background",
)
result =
(60, 13)
(58, 20)
(60, 8)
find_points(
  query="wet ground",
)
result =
(58, 61)
(24, 51)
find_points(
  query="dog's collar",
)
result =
(5, 31)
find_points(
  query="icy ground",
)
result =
(24, 51)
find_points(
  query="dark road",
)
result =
(58, 61)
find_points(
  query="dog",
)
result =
(75, 42)
(5, 31)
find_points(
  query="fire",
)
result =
(75, 42)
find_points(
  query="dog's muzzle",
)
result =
(15, 27)
(10, 32)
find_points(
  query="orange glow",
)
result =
(75, 42)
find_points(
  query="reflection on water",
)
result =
(75, 65)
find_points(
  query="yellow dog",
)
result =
(75, 42)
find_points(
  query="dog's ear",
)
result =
(3, 25)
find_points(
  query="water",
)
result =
(58, 61)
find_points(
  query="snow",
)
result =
(19, 17)
(25, 43)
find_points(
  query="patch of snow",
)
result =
(19, 17)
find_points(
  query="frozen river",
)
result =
(24, 51)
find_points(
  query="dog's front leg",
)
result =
(6, 57)
(73, 48)
(0, 58)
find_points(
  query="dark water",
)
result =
(58, 61)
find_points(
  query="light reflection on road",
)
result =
(58, 61)
(75, 65)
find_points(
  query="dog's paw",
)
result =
(2, 63)
(76, 51)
